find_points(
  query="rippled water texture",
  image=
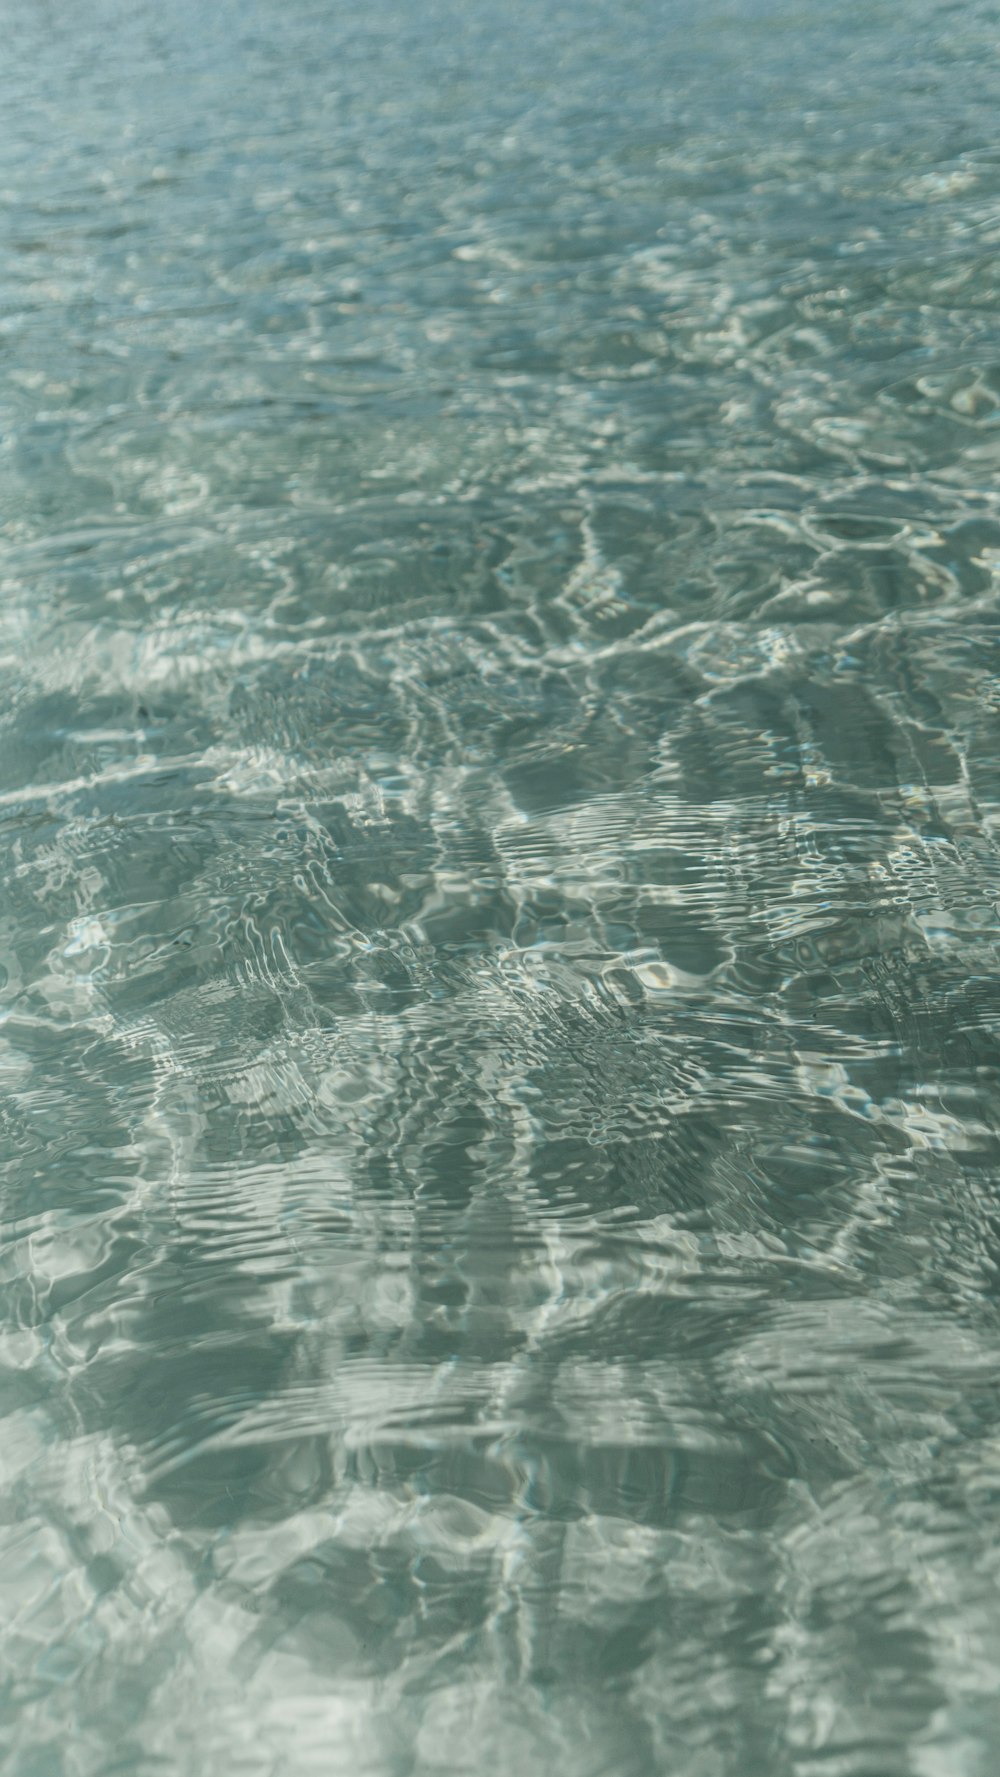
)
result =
(499, 820)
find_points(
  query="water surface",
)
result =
(499, 819)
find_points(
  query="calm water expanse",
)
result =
(500, 854)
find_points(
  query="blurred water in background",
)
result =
(499, 818)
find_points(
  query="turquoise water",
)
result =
(500, 846)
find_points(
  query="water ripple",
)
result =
(498, 828)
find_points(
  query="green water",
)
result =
(500, 854)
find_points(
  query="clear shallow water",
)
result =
(499, 806)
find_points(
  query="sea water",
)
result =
(500, 855)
